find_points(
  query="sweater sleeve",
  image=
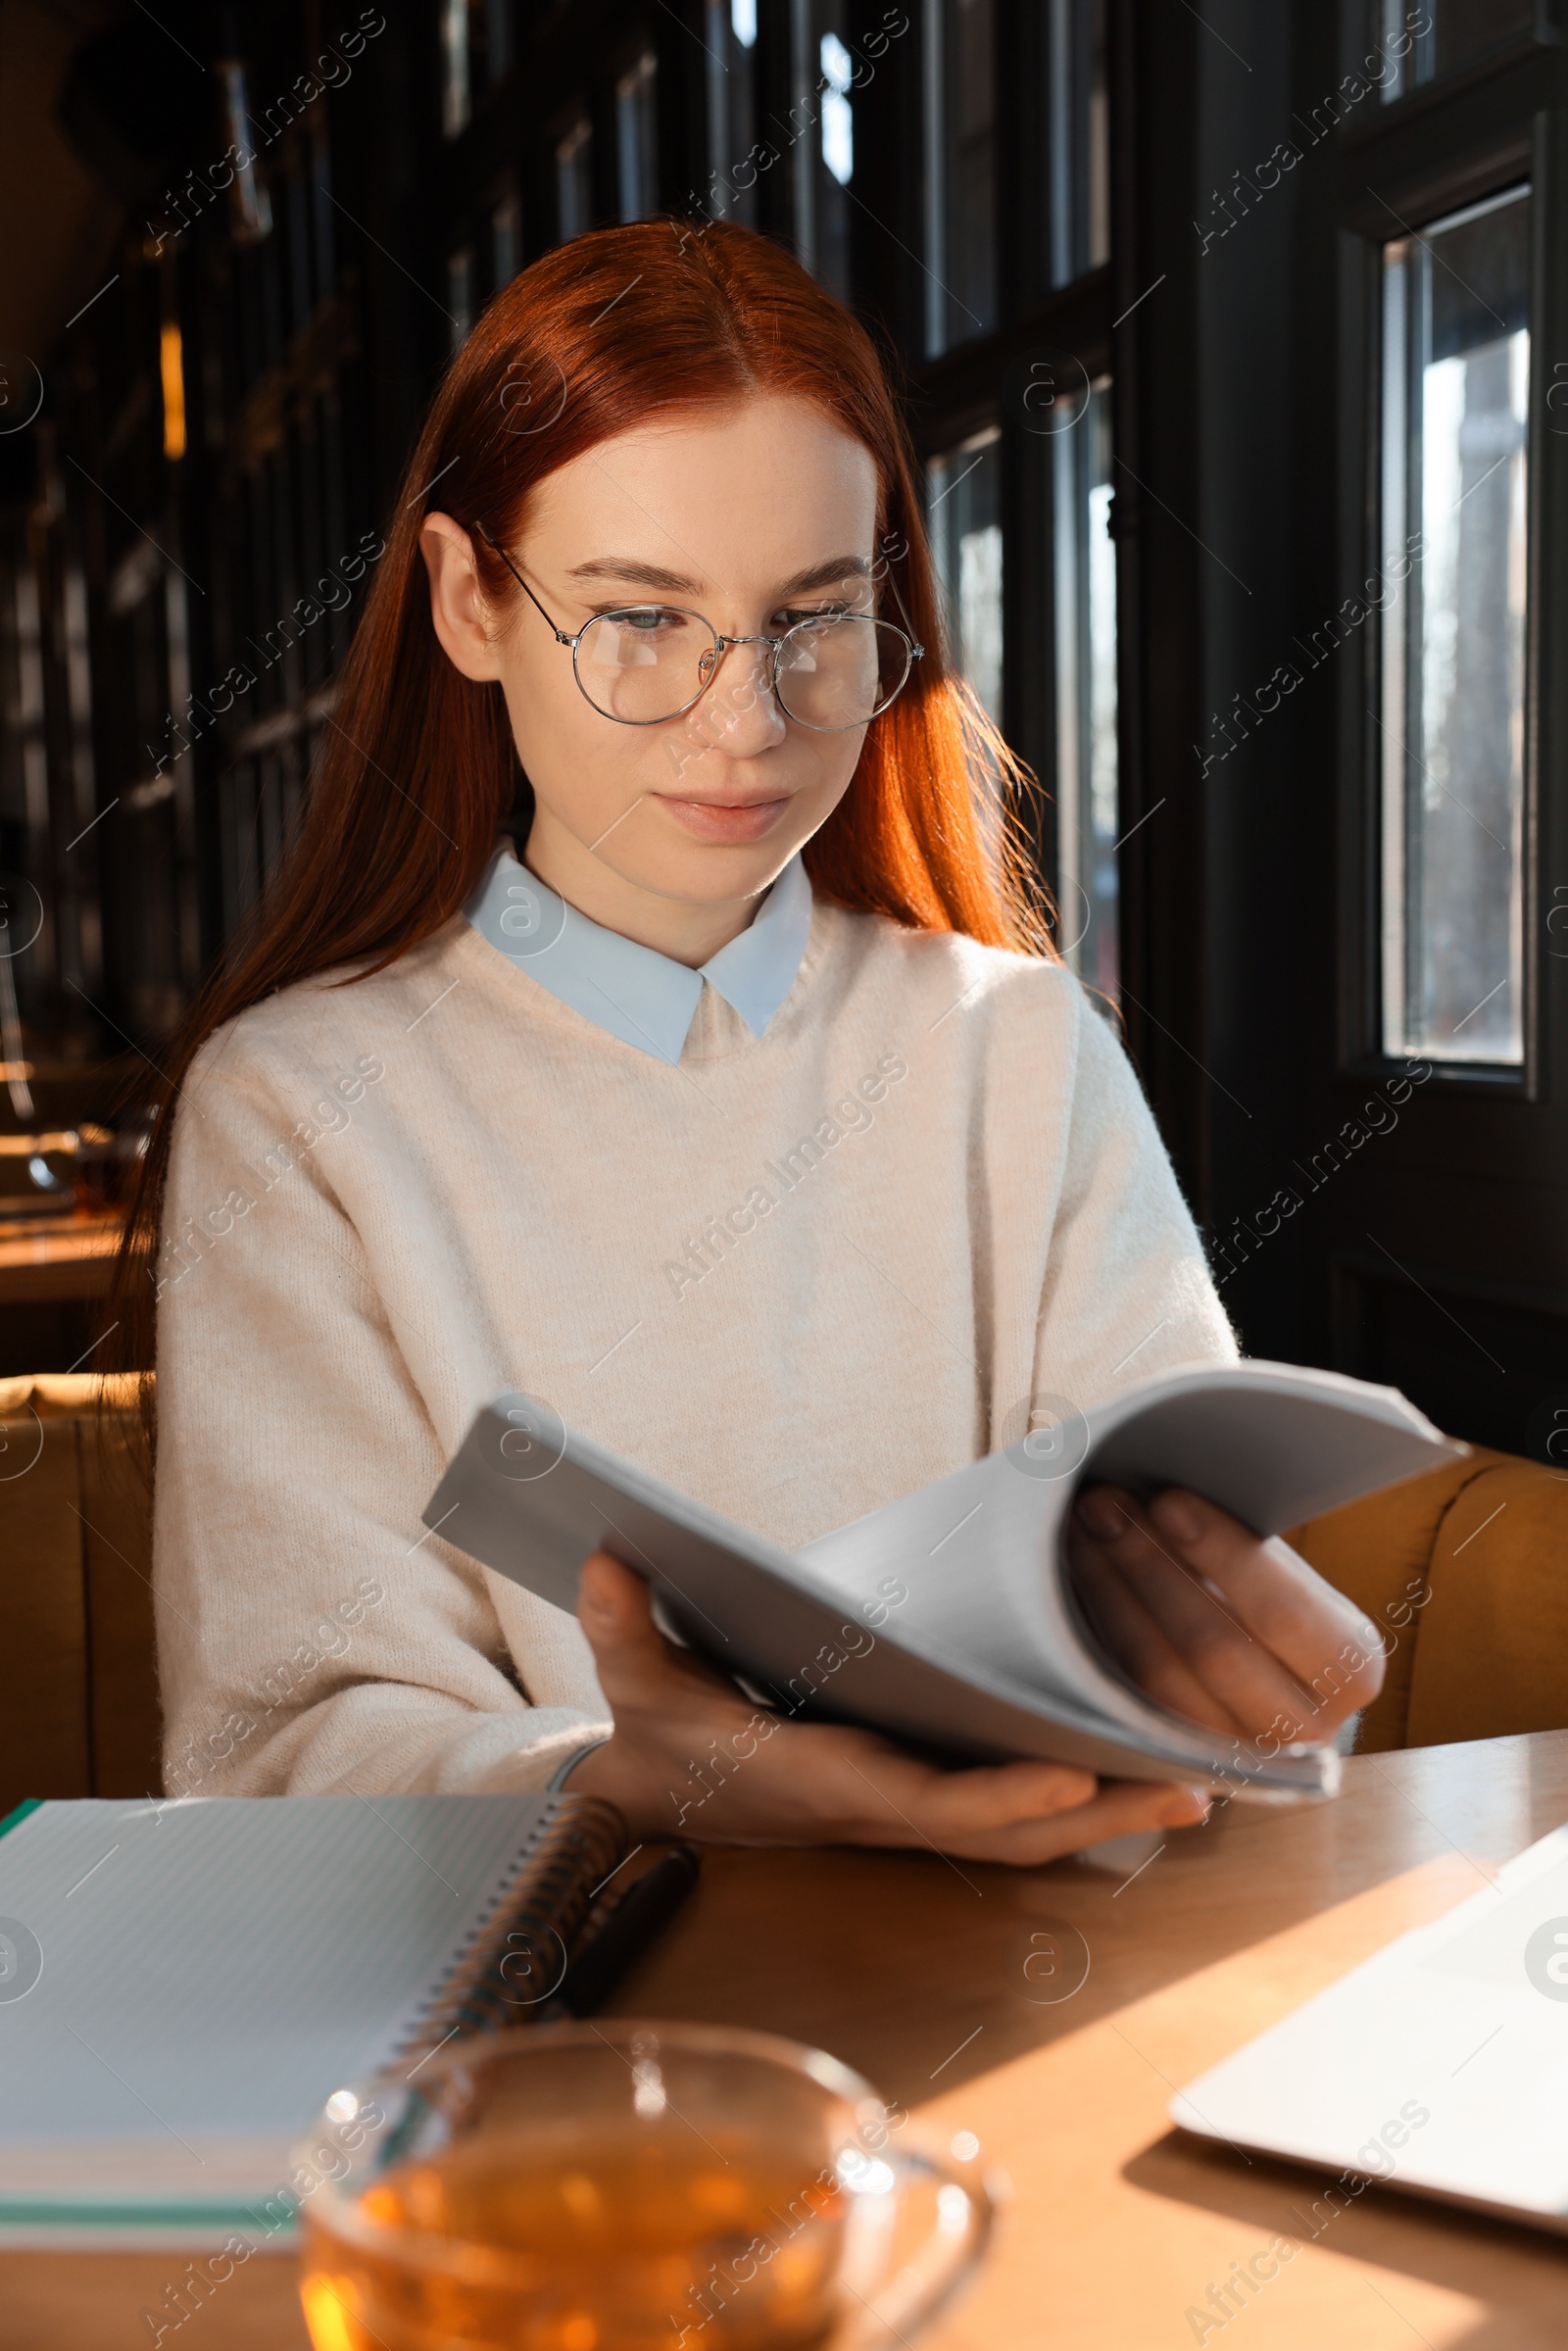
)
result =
(1127, 1290)
(312, 1638)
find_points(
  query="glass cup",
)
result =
(616, 2186)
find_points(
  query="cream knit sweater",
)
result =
(797, 1275)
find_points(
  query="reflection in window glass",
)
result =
(637, 139)
(1438, 35)
(959, 106)
(574, 179)
(963, 510)
(1456, 371)
(1087, 807)
(1077, 185)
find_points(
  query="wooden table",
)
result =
(912, 1970)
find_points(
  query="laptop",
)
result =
(1440, 2066)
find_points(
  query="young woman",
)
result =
(737, 1107)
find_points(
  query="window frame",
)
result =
(1443, 145)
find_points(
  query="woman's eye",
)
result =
(648, 620)
(799, 614)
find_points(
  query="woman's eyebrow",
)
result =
(675, 583)
(646, 575)
(824, 575)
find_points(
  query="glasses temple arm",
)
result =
(560, 635)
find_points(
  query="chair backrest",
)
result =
(1465, 1573)
(78, 1678)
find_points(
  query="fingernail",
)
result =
(1179, 1516)
(1098, 1513)
(1191, 1805)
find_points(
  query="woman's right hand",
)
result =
(690, 1756)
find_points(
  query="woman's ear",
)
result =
(457, 610)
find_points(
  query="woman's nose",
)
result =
(740, 712)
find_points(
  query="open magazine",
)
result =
(949, 1620)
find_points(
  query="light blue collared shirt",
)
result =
(645, 999)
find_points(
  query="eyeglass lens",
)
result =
(651, 663)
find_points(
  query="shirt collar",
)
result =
(645, 999)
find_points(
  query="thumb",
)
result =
(616, 1614)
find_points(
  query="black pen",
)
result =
(644, 1910)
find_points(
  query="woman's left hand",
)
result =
(1217, 1624)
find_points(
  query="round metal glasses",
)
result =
(644, 663)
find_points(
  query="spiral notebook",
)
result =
(184, 1983)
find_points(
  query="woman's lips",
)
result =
(722, 821)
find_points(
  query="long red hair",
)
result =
(416, 772)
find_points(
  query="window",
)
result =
(963, 510)
(735, 153)
(506, 239)
(1085, 601)
(958, 95)
(498, 38)
(1422, 42)
(1077, 185)
(457, 103)
(1455, 385)
(574, 179)
(637, 138)
(822, 138)
(461, 294)
(475, 53)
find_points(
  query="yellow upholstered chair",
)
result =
(79, 1683)
(1465, 1572)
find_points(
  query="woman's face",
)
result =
(753, 516)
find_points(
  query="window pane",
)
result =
(456, 102)
(637, 139)
(1423, 42)
(1087, 806)
(461, 294)
(958, 72)
(822, 141)
(736, 156)
(1456, 361)
(1077, 185)
(575, 181)
(506, 239)
(963, 519)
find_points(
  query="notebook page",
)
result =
(212, 1969)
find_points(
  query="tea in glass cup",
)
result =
(626, 2187)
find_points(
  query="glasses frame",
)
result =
(914, 651)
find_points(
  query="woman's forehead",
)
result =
(774, 486)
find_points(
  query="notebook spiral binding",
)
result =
(536, 1915)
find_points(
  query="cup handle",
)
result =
(966, 2216)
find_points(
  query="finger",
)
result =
(898, 1799)
(637, 1667)
(1138, 1644)
(1328, 1643)
(1120, 1808)
(877, 1786)
(613, 1606)
(1236, 1666)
